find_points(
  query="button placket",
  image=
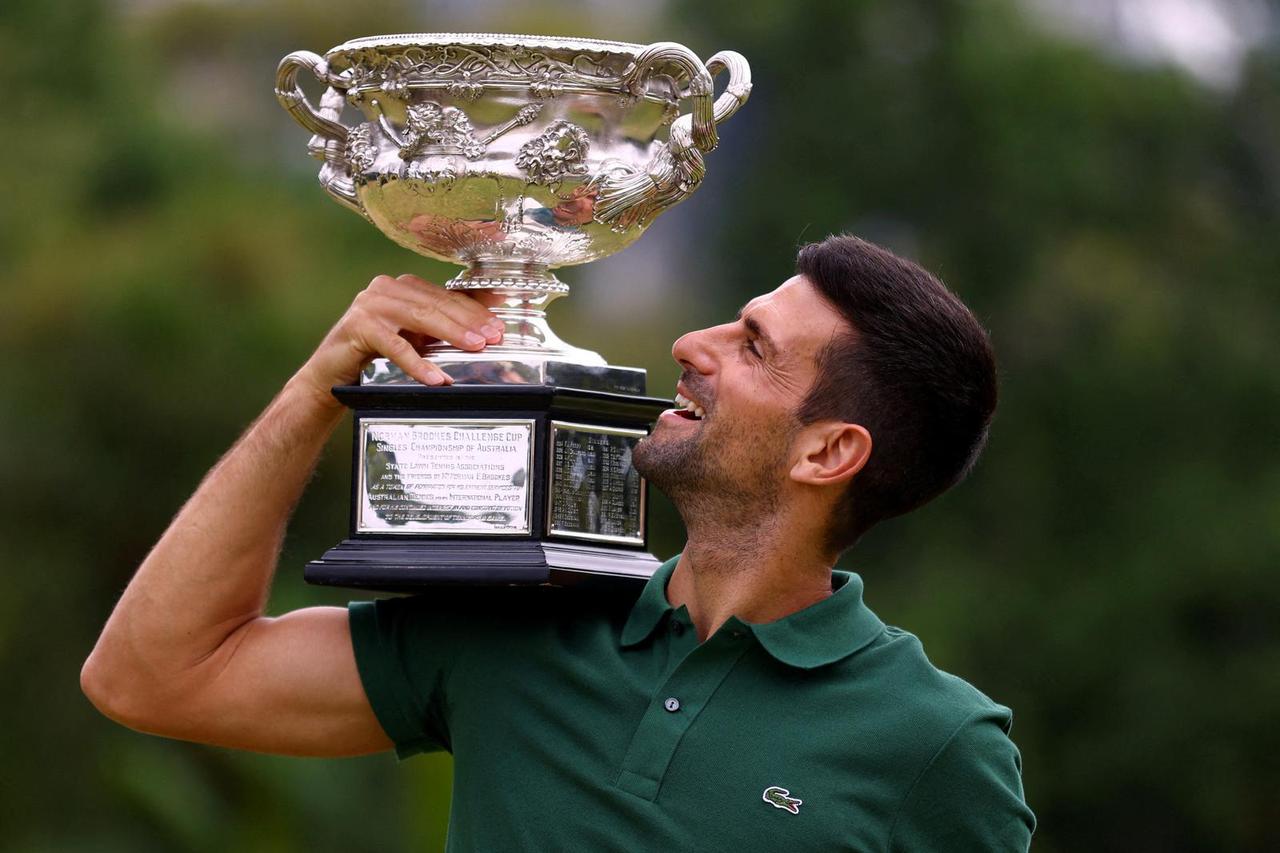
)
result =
(673, 710)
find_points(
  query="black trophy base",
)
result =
(567, 507)
(407, 566)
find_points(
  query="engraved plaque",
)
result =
(595, 492)
(445, 476)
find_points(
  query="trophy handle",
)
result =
(739, 87)
(627, 196)
(329, 140)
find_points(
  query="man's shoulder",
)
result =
(960, 771)
(923, 703)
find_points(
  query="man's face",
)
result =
(748, 377)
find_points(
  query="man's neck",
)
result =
(757, 579)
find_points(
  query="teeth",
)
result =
(684, 402)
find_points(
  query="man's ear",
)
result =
(829, 453)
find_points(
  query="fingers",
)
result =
(487, 298)
(457, 312)
(388, 341)
(433, 318)
(395, 316)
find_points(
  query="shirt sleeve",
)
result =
(970, 796)
(405, 655)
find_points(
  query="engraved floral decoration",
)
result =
(557, 153)
(431, 124)
(467, 66)
(394, 82)
(435, 130)
(466, 88)
(527, 114)
(548, 85)
(630, 196)
(431, 177)
(359, 151)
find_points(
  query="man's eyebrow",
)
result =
(754, 327)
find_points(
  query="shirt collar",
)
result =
(650, 607)
(821, 633)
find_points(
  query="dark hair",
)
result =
(917, 370)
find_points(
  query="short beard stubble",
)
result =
(725, 475)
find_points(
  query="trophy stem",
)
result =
(508, 275)
(530, 352)
(526, 289)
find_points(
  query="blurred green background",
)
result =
(1100, 180)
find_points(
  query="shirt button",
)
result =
(672, 704)
(677, 628)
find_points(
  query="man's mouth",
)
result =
(688, 409)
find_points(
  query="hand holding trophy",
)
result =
(510, 155)
(401, 317)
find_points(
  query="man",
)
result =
(747, 700)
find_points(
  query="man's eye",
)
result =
(751, 345)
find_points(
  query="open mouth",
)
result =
(688, 409)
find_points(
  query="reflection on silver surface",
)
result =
(489, 368)
(512, 155)
(421, 475)
(596, 494)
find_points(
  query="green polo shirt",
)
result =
(597, 722)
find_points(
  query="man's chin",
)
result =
(662, 456)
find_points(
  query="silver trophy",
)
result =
(510, 155)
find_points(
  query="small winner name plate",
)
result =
(595, 492)
(444, 476)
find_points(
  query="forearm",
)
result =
(210, 573)
(187, 651)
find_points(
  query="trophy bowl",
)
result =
(511, 155)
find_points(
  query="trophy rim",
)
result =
(486, 40)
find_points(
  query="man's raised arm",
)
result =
(187, 652)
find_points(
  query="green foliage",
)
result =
(1107, 571)
(160, 282)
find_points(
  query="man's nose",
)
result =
(693, 351)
